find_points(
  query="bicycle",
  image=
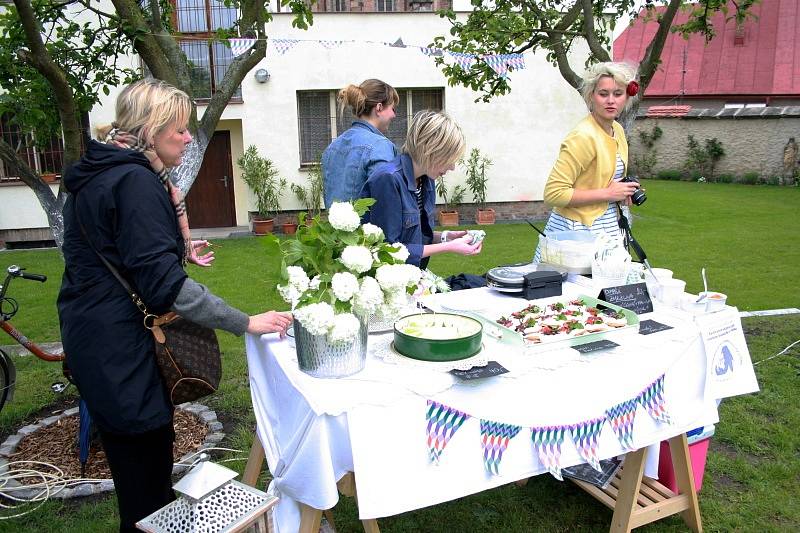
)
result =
(8, 308)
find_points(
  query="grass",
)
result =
(753, 468)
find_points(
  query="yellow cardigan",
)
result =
(587, 160)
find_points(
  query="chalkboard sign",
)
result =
(634, 297)
(602, 479)
(603, 344)
(492, 368)
(646, 327)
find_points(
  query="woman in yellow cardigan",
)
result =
(584, 186)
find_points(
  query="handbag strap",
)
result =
(149, 318)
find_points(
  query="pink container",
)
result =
(697, 454)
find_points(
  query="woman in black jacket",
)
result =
(121, 197)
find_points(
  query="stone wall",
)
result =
(753, 139)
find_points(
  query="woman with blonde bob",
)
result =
(584, 187)
(120, 207)
(349, 159)
(405, 192)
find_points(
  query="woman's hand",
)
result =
(270, 322)
(618, 191)
(452, 235)
(463, 245)
(194, 257)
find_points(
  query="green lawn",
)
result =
(743, 235)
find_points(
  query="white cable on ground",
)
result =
(777, 354)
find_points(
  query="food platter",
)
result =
(438, 336)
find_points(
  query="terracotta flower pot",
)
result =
(448, 218)
(485, 216)
(263, 226)
(49, 177)
(289, 228)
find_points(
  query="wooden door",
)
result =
(210, 202)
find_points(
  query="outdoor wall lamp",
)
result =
(262, 75)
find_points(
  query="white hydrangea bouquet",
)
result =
(340, 272)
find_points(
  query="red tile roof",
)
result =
(766, 64)
(668, 110)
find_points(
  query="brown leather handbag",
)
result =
(187, 353)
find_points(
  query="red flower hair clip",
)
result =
(632, 89)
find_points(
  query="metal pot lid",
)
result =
(511, 274)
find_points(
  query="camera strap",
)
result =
(628, 238)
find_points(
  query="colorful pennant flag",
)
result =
(621, 418)
(515, 61)
(465, 61)
(443, 422)
(584, 435)
(430, 51)
(498, 64)
(284, 45)
(547, 443)
(494, 440)
(652, 399)
(331, 44)
(240, 46)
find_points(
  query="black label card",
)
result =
(603, 344)
(646, 327)
(634, 297)
(492, 368)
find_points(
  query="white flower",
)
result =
(357, 258)
(401, 254)
(369, 296)
(316, 318)
(344, 285)
(298, 278)
(391, 277)
(314, 285)
(345, 328)
(372, 232)
(290, 294)
(343, 217)
(413, 274)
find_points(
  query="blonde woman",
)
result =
(405, 190)
(584, 187)
(119, 208)
(350, 158)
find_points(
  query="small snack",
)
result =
(477, 235)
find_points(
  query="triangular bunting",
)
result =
(621, 418)
(515, 61)
(284, 45)
(652, 399)
(584, 435)
(547, 443)
(498, 64)
(443, 422)
(240, 46)
(331, 44)
(494, 440)
(430, 51)
(464, 61)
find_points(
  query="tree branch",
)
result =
(591, 39)
(647, 67)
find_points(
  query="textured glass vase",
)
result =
(317, 357)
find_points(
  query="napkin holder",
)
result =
(541, 284)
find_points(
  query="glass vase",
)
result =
(321, 359)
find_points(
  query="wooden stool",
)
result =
(310, 518)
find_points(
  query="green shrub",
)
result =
(749, 178)
(774, 180)
(672, 175)
(726, 178)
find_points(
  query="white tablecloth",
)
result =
(373, 423)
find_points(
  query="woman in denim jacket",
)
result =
(405, 193)
(350, 158)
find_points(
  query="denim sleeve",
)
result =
(379, 152)
(387, 213)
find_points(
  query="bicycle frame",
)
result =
(34, 348)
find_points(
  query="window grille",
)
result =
(46, 157)
(314, 124)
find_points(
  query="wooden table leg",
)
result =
(628, 491)
(310, 519)
(684, 477)
(347, 486)
(255, 461)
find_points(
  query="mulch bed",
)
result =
(57, 444)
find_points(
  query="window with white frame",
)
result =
(320, 120)
(197, 21)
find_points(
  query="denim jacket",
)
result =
(349, 159)
(395, 210)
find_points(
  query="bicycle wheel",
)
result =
(8, 378)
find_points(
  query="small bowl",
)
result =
(714, 300)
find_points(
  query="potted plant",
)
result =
(337, 273)
(311, 196)
(260, 174)
(289, 227)
(49, 176)
(448, 216)
(475, 167)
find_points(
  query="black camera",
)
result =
(638, 197)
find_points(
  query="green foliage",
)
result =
(475, 167)
(450, 198)
(701, 160)
(726, 178)
(649, 139)
(260, 174)
(311, 195)
(673, 175)
(749, 178)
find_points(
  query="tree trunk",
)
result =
(184, 175)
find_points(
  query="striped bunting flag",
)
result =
(584, 435)
(652, 399)
(621, 418)
(547, 443)
(443, 422)
(494, 440)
